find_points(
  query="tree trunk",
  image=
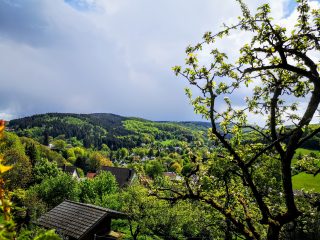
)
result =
(228, 235)
(273, 232)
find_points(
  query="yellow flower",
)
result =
(2, 126)
(3, 168)
(2, 123)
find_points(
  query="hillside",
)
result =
(104, 128)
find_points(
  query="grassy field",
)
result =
(306, 151)
(304, 180)
(307, 182)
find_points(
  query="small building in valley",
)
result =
(124, 176)
(172, 176)
(79, 221)
(71, 170)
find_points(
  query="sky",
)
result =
(113, 56)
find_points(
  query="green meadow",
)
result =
(303, 180)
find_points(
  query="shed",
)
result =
(124, 176)
(172, 176)
(79, 221)
(70, 170)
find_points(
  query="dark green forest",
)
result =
(93, 130)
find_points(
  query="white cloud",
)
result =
(116, 57)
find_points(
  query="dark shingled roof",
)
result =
(123, 176)
(76, 219)
(69, 169)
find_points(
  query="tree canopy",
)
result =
(250, 183)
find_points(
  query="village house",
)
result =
(79, 221)
(71, 170)
(172, 176)
(124, 176)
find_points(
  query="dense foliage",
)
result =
(94, 130)
(44, 185)
(249, 182)
(221, 179)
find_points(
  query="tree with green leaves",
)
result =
(54, 190)
(97, 160)
(249, 182)
(158, 219)
(122, 153)
(44, 169)
(93, 190)
(154, 168)
(59, 145)
(8, 227)
(31, 151)
(21, 175)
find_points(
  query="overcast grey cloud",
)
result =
(105, 55)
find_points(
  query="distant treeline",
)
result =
(93, 130)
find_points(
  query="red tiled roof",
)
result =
(91, 175)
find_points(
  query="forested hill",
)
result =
(93, 130)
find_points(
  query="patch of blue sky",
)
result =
(290, 7)
(82, 5)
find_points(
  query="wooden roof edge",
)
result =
(111, 212)
(113, 167)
